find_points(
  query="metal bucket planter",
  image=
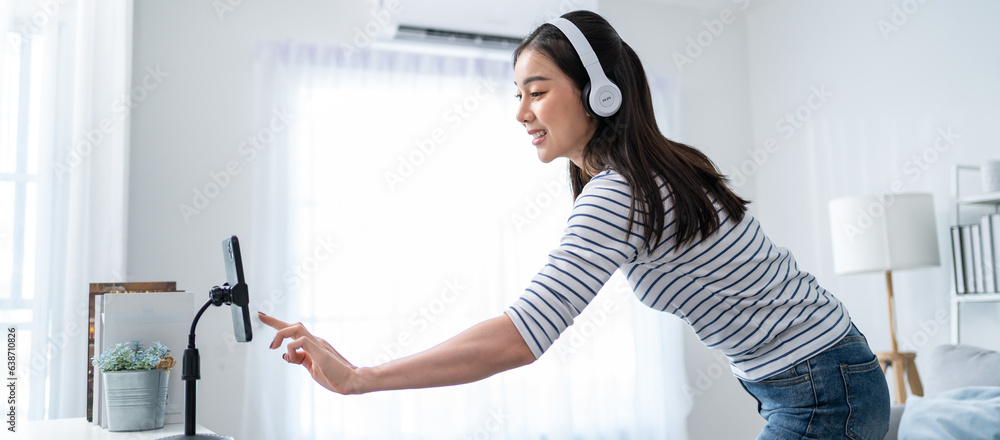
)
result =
(136, 400)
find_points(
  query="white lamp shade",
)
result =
(877, 233)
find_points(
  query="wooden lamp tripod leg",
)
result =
(902, 364)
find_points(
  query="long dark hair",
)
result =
(630, 142)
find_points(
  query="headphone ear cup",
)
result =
(585, 97)
(605, 99)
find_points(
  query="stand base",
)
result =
(197, 437)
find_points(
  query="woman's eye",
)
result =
(533, 95)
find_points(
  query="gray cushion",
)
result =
(947, 367)
(895, 414)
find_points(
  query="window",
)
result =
(416, 198)
(18, 178)
(19, 157)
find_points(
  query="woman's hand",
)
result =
(324, 363)
(479, 352)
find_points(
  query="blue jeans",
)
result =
(839, 393)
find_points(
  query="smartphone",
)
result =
(240, 306)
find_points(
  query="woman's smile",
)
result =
(537, 136)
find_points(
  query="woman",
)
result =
(660, 212)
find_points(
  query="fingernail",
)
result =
(261, 313)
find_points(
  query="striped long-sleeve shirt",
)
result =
(742, 294)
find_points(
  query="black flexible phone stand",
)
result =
(191, 372)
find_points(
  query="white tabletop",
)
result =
(81, 429)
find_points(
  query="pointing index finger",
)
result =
(272, 322)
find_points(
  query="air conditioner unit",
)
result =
(485, 24)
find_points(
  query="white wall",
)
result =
(189, 127)
(891, 93)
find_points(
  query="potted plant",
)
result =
(135, 385)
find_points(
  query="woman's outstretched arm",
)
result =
(481, 351)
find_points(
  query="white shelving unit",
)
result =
(987, 199)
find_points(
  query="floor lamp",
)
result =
(883, 233)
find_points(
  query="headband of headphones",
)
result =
(601, 96)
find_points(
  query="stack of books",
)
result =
(976, 256)
(146, 312)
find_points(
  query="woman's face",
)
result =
(551, 109)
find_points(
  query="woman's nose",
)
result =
(523, 114)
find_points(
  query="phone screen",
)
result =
(241, 295)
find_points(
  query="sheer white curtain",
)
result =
(66, 78)
(397, 203)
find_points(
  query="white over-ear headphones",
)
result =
(601, 97)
